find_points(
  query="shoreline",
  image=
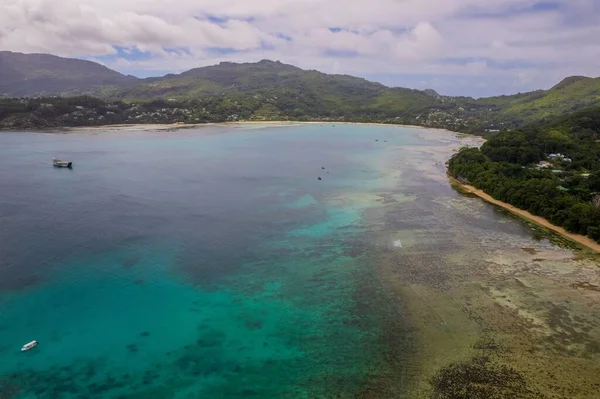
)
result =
(577, 238)
(176, 126)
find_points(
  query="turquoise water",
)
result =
(200, 263)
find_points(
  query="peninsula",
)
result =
(547, 172)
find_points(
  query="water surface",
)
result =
(212, 263)
(207, 262)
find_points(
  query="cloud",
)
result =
(512, 44)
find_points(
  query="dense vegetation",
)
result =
(551, 169)
(265, 90)
(50, 112)
(55, 112)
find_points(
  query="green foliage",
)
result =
(565, 192)
(56, 112)
(272, 90)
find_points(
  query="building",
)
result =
(544, 164)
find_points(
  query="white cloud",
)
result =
(503, 39)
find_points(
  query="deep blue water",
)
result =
(193, 264)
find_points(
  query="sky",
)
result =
(456, 47)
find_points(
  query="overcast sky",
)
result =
(472, 47)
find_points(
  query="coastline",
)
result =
(578, 238)
(175, 126)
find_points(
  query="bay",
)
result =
(214, 263)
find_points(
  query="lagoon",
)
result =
(212, 262)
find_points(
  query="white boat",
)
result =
(29, 345)
(61, 164)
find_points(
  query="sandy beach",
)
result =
(583, 240)
(139, 126)
(175, 126)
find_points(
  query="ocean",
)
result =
(213, 262)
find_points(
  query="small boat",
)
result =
(29, 345)
(61, 164)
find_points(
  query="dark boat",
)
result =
(61, 164)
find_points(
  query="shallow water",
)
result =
(213, 263)
(205, 262)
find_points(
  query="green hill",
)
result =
(29, 75)
(270, 89)
(264, 81)
(263, 77)
(570, 95)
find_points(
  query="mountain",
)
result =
(271, 90)
(245, 79)
(23, 75)
(264, 78)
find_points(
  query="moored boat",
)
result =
(29, 345)
(61, 164)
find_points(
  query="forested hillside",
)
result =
(48, 112)
(550, 169)
(265, 90)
